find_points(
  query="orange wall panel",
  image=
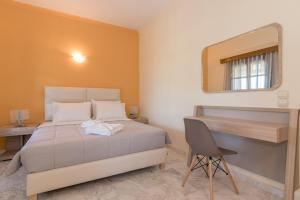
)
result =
(35, 51)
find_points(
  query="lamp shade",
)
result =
(133, 110)
(19, 115)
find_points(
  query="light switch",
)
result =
(283, 98)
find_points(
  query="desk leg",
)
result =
(291, 155)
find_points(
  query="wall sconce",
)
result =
(78, 57)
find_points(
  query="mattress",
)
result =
(60, 145)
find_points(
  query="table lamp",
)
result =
(133, 112)
(18, 116)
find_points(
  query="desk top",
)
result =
(266, 131)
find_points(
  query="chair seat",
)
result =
(226, 151)
(222, 152)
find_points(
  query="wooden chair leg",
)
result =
(207, 161)
(33, 197)
(189, 171)
(211, 186)
(230, 176)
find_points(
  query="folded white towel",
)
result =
(88, 123)
(104, 129)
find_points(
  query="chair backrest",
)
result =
(200, 139)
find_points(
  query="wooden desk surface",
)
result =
(266, 131)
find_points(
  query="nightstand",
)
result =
(15, 138)
(143, 120)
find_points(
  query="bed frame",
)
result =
(67, 176)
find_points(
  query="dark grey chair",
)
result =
(206, 154)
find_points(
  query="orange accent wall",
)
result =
(35, 51)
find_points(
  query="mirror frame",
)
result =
(275, 87)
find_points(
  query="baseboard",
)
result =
(179, 144)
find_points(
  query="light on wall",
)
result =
(78, 57)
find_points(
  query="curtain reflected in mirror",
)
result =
(247, 62)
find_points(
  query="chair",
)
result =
(206, 153)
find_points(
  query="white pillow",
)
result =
(110, 111)
(94, 102)
(63, 112)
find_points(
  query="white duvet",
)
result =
(94, 127)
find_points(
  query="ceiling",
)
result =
(125, 13)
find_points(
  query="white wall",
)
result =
(170, 55)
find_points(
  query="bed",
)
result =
(61, 154)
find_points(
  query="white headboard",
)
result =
(76, 94)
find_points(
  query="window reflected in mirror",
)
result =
(251, 61)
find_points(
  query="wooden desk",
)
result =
(260, 130)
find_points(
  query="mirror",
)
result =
(251, 61)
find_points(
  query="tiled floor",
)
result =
(146, 184)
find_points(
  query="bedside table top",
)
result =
(10, 130)
(141, 120)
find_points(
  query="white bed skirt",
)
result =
(62, 177)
